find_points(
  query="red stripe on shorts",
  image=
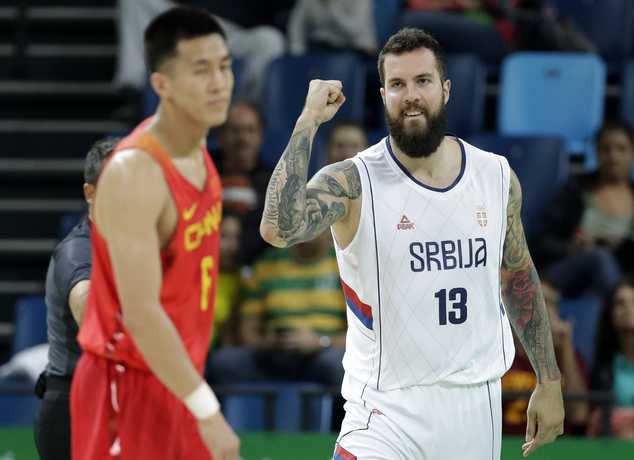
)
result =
(343, 454)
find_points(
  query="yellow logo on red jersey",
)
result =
(209, 224)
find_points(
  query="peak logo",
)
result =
(405, 224)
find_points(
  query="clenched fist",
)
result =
(323, 100)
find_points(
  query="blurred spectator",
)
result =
(244, 177)
(614, 362)
(345, 140)
(230, 286)
(521, 377)
(257, 46)
(549, 29)
(293, 320)
(589, 225)
(479, 27)
(326, 25)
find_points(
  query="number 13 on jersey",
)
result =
(459, 306)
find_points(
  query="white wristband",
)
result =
(202, 402)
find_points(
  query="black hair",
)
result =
(607, 339)
(179, 23)
(97, 154)
(411, 39)
(615, 125)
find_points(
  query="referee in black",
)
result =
(67, 285)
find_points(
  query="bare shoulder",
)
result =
(131, 185)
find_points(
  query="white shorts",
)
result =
(427, 422)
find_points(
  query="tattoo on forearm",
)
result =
(299, 214)
(523, 295)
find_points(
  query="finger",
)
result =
(340, 100)
(530, 426)
(335, 84)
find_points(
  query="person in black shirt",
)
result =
(67, 285)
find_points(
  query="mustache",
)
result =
(415, 106)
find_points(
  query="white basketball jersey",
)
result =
(422, 275)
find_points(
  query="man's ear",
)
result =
(89, 193)
(161, 85)
(445, 90)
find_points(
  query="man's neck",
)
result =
(439, 170)
(177, 135)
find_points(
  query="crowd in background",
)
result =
(281, 313)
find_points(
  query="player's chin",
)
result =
(215, 117)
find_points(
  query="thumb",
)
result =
(530, 426)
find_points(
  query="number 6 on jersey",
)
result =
(459, 297)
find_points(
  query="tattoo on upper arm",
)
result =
(522, 292)
(301, 213)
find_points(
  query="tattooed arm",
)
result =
(526, 307)
(294, 210)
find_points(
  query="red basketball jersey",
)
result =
(189, 266)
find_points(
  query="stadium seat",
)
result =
(465, 109)
(608, 23)
(541, 165)
(287, 82)
(553, 94)
(29, 323)
(627, 102)
(583, 313)
(386, 13)
(275, 143)
(18, 404)
(246, 412)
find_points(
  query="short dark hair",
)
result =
(178, 23)
(411, 39)
(98, 153)
(615, 125)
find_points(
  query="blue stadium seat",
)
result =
(608, 23)
(150, 99)
(553, 94)
(375, 135)
(627, 102)
(18, 404)
(541, 165)
(465, 109)
(386, 15)
(583, 313)
(29, 323)
(247, 412)
(275, 143)
(287, 82)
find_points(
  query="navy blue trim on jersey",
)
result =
(367, 427)
(503, 239)
(492, 425)
(378, 278)
(433, 189)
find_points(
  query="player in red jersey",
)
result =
(138, 391)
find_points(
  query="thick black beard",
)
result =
(416, 142)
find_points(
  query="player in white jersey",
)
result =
(434, 265)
